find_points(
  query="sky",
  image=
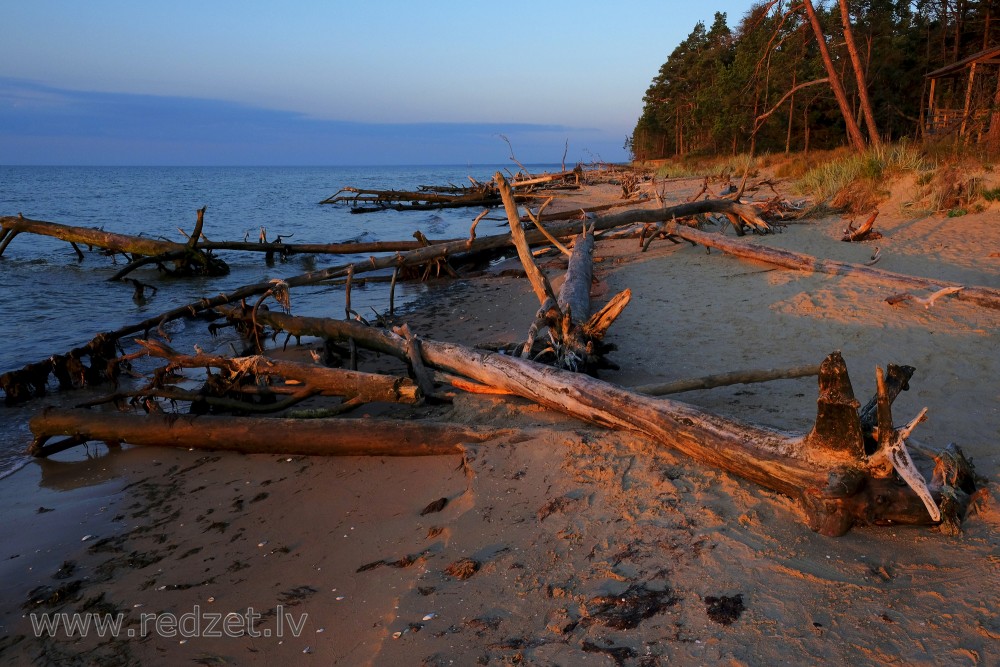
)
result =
(220, 82)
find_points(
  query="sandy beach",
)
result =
(565, 543)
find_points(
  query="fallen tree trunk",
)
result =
(119, 243)
(837, 482)
(151, 250)
(22, 384)
(725, 379)
(576, 337)
(285, 250)
(255, 435)
(188, 258)
(561, 177)
(574, 295)
(577, 213)
(312, 378)
(982, 296)
(425, 195)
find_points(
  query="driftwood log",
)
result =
(726, 379)
(981, 296)
(187, 258)
(862, 233)
(367, 201)
(250, 377)
(143, 250)
(115, 243)
(576, 336)
(72, 370)
(255, 435)
(829, 471)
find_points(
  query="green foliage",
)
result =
(723, 91)
(875, 164)
(991, 194)
(855, 181)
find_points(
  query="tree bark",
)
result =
(725, 380)
(574, 295)
(23, 384)
(837, 491)
(255, 435)
(981, 296)
(365, 387)
(853, 131)
(859, 75)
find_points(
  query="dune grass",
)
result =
(856, 182)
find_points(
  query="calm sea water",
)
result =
(50, 302)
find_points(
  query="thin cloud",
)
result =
(45, 125)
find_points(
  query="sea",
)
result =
(51, 301)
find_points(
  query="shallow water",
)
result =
(50, 302)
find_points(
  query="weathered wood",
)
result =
(837, 431)
(725, 380)
(536, 220)
(198, 226)
(285, 250)
(426, 195)
(926, 301)
(576, 213)
(416, 361)
(562, 177)
(982, 296)
(836, 491)
(896, 379)
(539, 283)
(255, 435)
(574, 295)
(110, 241)
(863, 232)
(188, 258)
(576, 341)
(23, 384)
(366, 387)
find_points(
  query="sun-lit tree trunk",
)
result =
(853, 131)
(859, 74)
(791, 113)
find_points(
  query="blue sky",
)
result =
(317, 83)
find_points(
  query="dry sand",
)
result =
(569, 545)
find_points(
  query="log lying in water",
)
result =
(30, 381)
(187, 258)
(116, 243)
(144, 250)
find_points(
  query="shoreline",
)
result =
(563, 525)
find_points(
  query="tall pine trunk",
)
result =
(859, 74)
(853, 131)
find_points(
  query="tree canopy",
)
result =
(762, 85)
